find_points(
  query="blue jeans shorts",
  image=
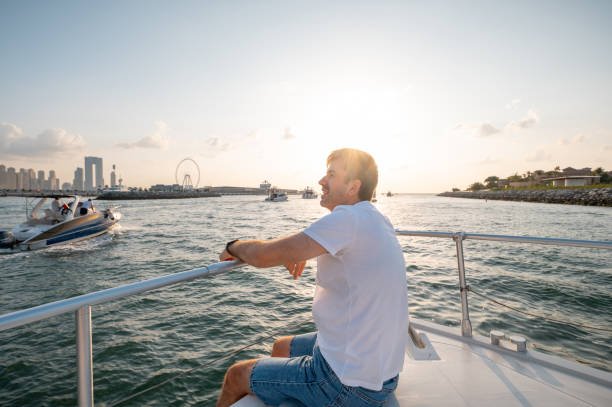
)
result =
(305, 379)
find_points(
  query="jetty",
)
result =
(137, 195)
(578, 196)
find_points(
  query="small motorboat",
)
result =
(276, 196)
(309, 194)
(62, 224)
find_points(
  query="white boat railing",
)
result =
(82, 304)
(459, 237)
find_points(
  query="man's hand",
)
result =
(296, 269)
(225, 256)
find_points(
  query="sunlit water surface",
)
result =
(172, 338)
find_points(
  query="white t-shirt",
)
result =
(360, 305)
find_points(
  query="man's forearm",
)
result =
(251, 252)
(277, 252)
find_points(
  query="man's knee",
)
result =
(282, 347)
(239, 374)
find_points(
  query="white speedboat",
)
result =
(276, 196)
(309, 194)
(70, 222)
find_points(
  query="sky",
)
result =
(441, 93)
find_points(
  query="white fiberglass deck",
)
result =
(471, 372)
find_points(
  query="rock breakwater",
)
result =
(590, 197)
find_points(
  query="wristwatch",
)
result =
(227, 247)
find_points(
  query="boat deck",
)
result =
(456, 371)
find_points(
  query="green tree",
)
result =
(491, 182)
(515, 177)
(476, 186)
(604, 177)
(456, 190)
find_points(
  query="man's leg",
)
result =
(236, 382)
(282, 347)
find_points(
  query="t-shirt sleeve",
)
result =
(334, 231)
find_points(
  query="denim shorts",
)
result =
(305, 379)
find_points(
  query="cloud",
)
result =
(216, 144)
(479, 129)
(514, 103)
(577, 139)
(288, 135)
(51, 142)
(527, 122)
(156, 140)
(538, 155)
(487, 129)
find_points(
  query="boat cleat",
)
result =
(515, 343)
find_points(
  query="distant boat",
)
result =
(309, 194)
(276, 196)
(389, 193)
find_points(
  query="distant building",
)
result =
(21, 175)
(91, 184)
(113, 177)
(574, 180)
(40, 180)
(66, 186)
(265, 185)
(166, 188)
(2, 176)
(520, 184)
(11, 178)
(77, 182)
(54, 182)
(32, 182)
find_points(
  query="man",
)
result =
(360, 306)
(56, 208)
(87, 206)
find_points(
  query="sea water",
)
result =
(170, 347)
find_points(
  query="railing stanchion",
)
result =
(466, 325)
(84, 356)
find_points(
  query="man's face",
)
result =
(336, 190)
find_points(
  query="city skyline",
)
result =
(83, 180)
(441, 94)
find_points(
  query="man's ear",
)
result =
(355, 186)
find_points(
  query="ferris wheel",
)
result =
(187, 174)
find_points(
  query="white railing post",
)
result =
(84, 356)
(466, 325)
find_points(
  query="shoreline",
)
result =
(585, 197)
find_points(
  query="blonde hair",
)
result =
(359, 165)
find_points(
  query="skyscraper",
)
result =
(32, 179)
(113, 177)
(89, 180)
(21, 175)
(3, 176)
(77, 183)
(40, 180)
(11, 178)
(53, 181)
